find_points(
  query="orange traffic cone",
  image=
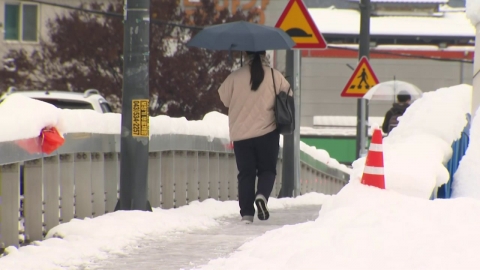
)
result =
(373, 174)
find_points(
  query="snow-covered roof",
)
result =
(337, 126)
(344, 132)
(408, 1)
(337, 132)
(343, 121)
(406, 48)
(347, 21)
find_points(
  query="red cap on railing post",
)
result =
(48, 141)
(51, 140)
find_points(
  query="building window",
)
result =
(21, 22)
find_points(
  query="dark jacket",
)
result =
(397, 109)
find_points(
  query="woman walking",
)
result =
(249, 94)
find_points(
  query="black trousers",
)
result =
(256, 157)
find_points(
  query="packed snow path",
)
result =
(196, 248)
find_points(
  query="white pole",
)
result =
(476, 71)
(473, 13)
(296, 136)
(363, 128)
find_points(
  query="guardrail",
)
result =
(81, 180)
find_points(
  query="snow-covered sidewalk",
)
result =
(81, 242)
(176, 251)
(366, 228)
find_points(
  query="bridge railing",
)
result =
(81, 179)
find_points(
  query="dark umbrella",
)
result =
(242, 36)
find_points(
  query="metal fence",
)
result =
(459, 148)
(81, 180)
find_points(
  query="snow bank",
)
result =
(415, 153)
(22, 117)
(367, 228)
(473, 11)
(323, 156)
(77, 242)
(467, 178)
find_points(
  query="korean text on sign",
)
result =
(140, 118)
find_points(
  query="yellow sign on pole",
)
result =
(363, 78)
(298, 24)
(140, 118)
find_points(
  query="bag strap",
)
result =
(275, 87)
(273, 79)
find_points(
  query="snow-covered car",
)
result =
(90, 99)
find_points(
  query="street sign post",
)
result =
(362, 104)
(362, 80)
(298, 24)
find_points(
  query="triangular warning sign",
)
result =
(362, 80)
(296, 21)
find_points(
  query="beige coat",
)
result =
(250, 113)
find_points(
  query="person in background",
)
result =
(391, 117)
(249, 95)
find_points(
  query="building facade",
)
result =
(19, 25)
(24, 23)
(429, 50)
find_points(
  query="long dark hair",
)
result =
(256, 70)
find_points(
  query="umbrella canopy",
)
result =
(242, 36)
(388, 91)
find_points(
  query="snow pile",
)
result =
(416, 152)
(77, 242)
(467, 177)
(87, 121)
(324, 157)
(473, 11)
(22, 117)
(367, 228)
(214, 125)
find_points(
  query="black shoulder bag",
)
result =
(284, 110)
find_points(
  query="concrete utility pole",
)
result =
(297, 70)
(135, 130)
(362, 104)
(291, 143)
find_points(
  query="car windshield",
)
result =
(67, 104)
